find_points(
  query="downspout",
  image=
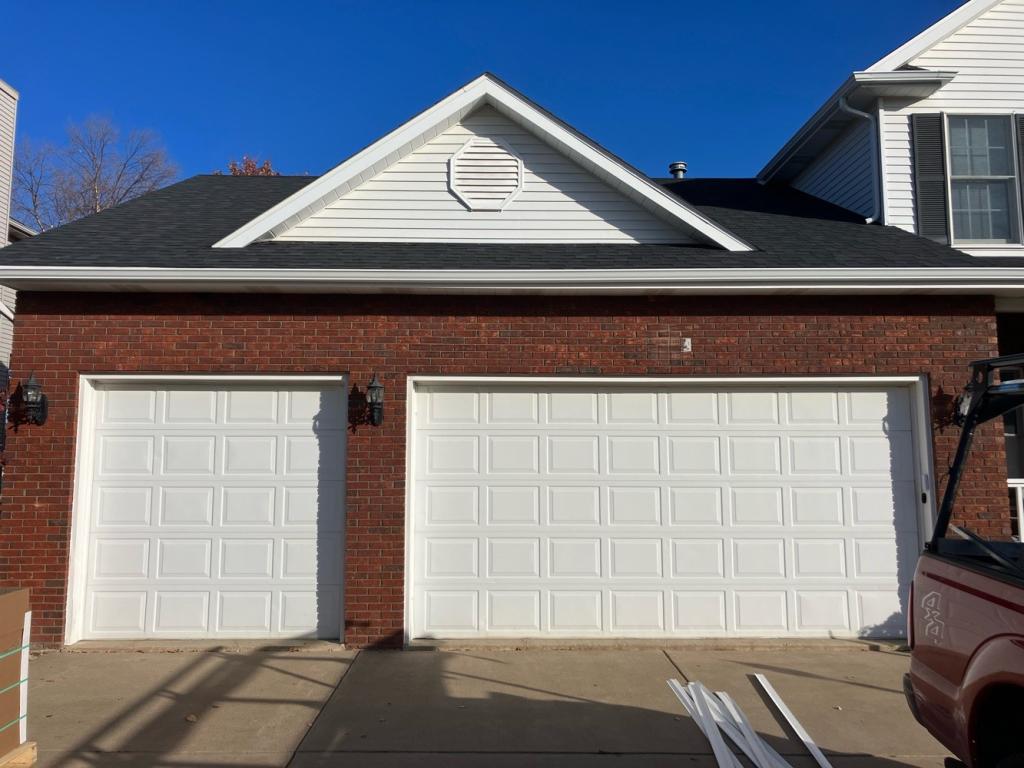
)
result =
(876, 195)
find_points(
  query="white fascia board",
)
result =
(1007, 281)
(877, 83)
(936, 33)
(484, 89)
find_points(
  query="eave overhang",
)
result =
(997, 281)
(860, 91)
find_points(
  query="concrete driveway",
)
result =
(319, 706)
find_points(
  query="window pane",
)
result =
(958, 146)
(1000, 156)
(980, 146)
(983, 211)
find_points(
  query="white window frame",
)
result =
(1018, 197)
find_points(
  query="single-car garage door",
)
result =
(214, 511)
(661, 510)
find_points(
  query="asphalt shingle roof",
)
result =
(177, 226)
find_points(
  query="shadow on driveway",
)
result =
(427, 708)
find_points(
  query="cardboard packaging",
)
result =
(14, 606)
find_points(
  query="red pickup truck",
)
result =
(966, 617)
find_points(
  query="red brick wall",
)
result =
(60, 336)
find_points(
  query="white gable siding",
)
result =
(842, 174)
(988, 56)
(410, 201)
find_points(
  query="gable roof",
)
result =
(936, 33)
(485, 89)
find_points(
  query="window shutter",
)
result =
(930, 177)
(1018, 125)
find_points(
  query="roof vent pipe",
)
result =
(677, 169)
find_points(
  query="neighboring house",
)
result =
(10, 230)
(930, 139)
(614, 406)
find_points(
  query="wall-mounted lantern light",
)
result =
(33, 404)
(375, 399)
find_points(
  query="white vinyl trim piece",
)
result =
(484, 89)
(723, 755)
(85, 460)
(763, 754)
(6, 311)
(798, 729)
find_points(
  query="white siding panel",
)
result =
(8, 111)
(410, 200)
(899, 171)
(842, 174)
(7, 296)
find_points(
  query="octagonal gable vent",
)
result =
(485, 174)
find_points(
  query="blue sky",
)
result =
(720, 85)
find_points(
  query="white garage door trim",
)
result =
(88, 389)
(917, 387)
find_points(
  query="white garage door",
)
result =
(661, 511)
(215, 511)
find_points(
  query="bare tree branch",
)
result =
(93, 171)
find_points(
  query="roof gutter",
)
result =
(1000, 281)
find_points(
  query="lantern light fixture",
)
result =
(34, 402)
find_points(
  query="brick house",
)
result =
(613, 406)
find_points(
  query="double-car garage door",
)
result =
(652, 511)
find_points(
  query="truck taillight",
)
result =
(910, 617)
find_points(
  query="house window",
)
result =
(983, 186)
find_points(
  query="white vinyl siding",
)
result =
(410, 201)
(898, 168)
(8, 297)
(988, 56)
(8, 111)
(842, 173)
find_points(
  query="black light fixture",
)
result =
(375, 399)
(34, 403)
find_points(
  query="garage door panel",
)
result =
(236, 525)
(128, 407)
(125, 455)
(190, 407)
(658, 512)
(123, 506)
